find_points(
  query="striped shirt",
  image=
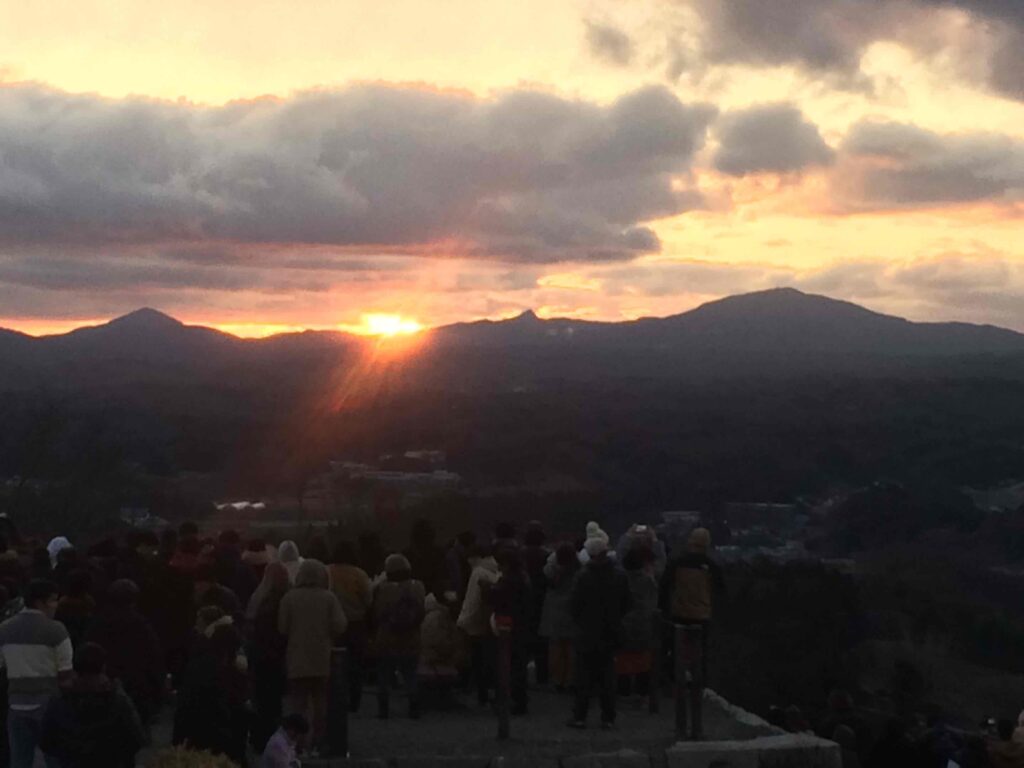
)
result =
(35, 649)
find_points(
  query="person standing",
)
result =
(351, 585)
(556, 623)
(37, 653)
(599, 600)
(686, 597)
(266, 652)
(398, 612)
(311, 618)
(475, 618)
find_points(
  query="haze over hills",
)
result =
(775, 332)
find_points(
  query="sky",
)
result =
(272, 165)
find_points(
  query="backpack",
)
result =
(406, 613)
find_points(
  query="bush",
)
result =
(187, 758)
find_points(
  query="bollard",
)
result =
(338, 704)
(689, 679)
(503, 678)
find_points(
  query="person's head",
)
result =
(90, 660)
(276, 579)
(295, 727)
(288, 552)
(225, 642)
(312, 574)
(597, 548)
(317, 549)
(42, 596)
(344, 553)
(397, 567)
(79, 583)
(535, 534)
(123, 594)
(1005, 728)
(423, 533)
(699, 541)
(566, 557)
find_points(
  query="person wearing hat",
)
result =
(398, 611)
(599, 600)
(686, 597)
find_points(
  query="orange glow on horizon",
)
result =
(385, 325)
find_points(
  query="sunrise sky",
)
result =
(269, 165)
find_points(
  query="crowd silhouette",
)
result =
(99, 641)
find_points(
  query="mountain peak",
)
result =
(146, 317)
(526, 316)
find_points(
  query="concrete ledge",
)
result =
(785, 751)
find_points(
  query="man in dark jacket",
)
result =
(600, 598)
(93, 722)
(686, 597)
(512, 603)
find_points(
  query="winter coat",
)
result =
(688, 586)
(134, 656)
(512, 600)
(440, 642)
(556, 623)
(93, 723)
(599, 600)
(352, 587)
(311, 618)
(475, 618)
(638, 624)
(387, 640)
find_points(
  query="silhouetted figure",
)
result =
(398, 612)
(512, 603)
(557, 624)
(427, 558)
(135, 657)
(457, 565)
(475, 619)
(599, 600)
(634, 661)
(351, 585)
(311, 619)
(266, 652)
(93, 722)
(77, 606)
(535, 557)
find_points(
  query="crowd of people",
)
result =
(96, 641)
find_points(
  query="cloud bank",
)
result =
(525, 176)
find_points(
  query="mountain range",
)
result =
(773, 333)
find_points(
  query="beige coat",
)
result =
(311, 619)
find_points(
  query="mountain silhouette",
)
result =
(769, 333)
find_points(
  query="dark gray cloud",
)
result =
(895, 165)
(774, 138)
(608, 43)
(526, 176)
(829, 37)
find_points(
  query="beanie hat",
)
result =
(396, 564)
(594, 532)
(595, 546)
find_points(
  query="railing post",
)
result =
(503, 678)
(338, 704)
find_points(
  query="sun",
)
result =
(389, 325)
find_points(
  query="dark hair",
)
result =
(636, 558)
(189, 545)
(344, 553)
(317, 549)
(40, 591)
(188, 530)
(535, 535)
(295, 723)
(123, 593)
(79, 583)
(566, 556)
(225, 643)
(90, 659)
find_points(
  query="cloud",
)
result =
(523, 176)
(829, 37)
(895, 165)
(774, 138)
(609, 44)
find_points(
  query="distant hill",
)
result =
(779, 332)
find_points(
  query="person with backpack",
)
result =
(398, 611)
(311, 618)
